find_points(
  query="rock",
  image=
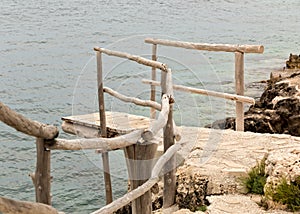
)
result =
(191, 189)
(293, 62)
(277, 111)
(282, 164)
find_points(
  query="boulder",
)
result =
(293, 62)
(277, 110)
(282, 164)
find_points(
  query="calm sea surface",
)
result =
(47, 70)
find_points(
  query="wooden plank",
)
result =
(118, 122)
(239, 87)
(208, 47)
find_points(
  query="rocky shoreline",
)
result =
(216, 183)
(214, 160)
(277, 110)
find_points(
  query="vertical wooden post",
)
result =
(42, 177)
(153, 75)
(170, 167)
(239, 87)
(139, 159)
(105, 158)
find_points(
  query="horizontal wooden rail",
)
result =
(104, 144)
(140, 102)
(107, 144)
(206, 92)
(25, 207)
(130, 196)
(138, 59)
(25, 125)
(134, 100)
(208, 47)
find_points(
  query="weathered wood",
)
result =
(153, 77)
(117, 122)
(239, 87)
(169, 190)
(133, 100)
(104, 144)
(10, 206)
(130, 196)
(86, 125)
(161, 121)
(139, 159)
(80, 130)
(135, 58)
(42, 178)
(105, 158)
(208, 47)
(232, 97)
(25, 125)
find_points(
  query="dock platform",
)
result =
(117, 123)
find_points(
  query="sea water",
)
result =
(48, 70)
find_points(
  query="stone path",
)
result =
(223, 156)
(233, 204)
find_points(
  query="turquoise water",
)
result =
(48, 71)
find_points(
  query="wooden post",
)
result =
(42, 177)
(170, 167)
(105, 158)
(153, 75)
(139, 159)
(239, 87)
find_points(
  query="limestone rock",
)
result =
(284, 163)
(293, 62)
(277, 111)
(191, 190)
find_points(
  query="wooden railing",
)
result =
(239, 51)
(138, 145)
(41, 178)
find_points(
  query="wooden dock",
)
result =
(136, 135)
(118, 123)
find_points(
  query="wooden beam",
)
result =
(161, 121)
(135, 58)
(208, 47)
(239, 87)
(10, 206)
(25, 125)
(153, 77)
(139, 159)
(42, 177)
(130, 196)
(137, 101)
(169, 190)
(105, 158)
(104, 144)
(232, 97)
